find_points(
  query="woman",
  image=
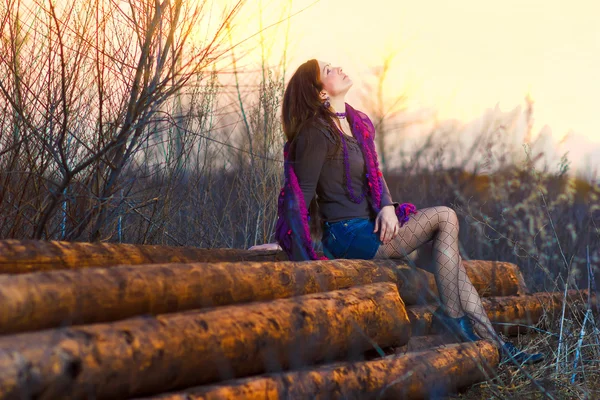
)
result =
(335, 191)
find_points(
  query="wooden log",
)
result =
(150, 355)
(65, 297)
(514, 315)
(57, 298)
(496, 278)
(426, 374)
(510, 315)
(23, 256)
(420, 343)
(490, 278)
(421, 319)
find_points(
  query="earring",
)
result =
(326, 103)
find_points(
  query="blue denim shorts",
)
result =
(350, 238)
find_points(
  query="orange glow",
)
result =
(460, 57)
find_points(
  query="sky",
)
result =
(463, 59)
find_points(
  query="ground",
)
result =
(532, 381)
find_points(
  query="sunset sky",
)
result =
(459, 58)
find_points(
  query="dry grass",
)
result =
(541, 380)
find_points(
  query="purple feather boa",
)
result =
(292, 230)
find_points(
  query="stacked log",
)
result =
(22, 256)
(90, 295)
(155, 354)
(413, 376)
(491, 278)
(510, 315)
(115, 321)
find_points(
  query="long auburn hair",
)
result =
(302, 105)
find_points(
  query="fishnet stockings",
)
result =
(457, 294)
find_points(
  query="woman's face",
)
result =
(335, 82)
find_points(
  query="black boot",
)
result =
(460, 327)
(467, 329)
(509, 350)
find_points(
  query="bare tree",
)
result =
(86, 86)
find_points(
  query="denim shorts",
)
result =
(350, 238)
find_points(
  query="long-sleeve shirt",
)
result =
(320, 169)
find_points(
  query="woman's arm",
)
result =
(266, 247)
(310, 152)
(386, 197)
(386, 222)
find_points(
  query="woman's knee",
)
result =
(448, 214)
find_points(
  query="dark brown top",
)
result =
(320, 169)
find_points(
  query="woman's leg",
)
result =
(440, 225)
(471, 303)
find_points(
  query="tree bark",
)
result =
(152, 355)
(23, 256)
(510, 315)
(514, 315)
(420, 343)
(427, 374)
(490, 278)
(496, 278)
(65, 297)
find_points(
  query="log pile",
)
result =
(80, 320)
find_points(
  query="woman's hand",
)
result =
(388, 224)
(266, 246)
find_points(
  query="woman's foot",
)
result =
(508, 351)
(460, 327)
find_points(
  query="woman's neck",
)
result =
(338, 104)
